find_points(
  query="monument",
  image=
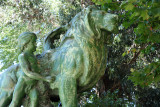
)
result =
(73, 67)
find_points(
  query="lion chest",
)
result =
(94, 65)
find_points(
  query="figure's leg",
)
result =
(33, 97)
(68, 91)
(5, 99)
(18, 93)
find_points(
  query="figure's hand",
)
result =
(50, 78)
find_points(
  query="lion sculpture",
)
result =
(80, 59)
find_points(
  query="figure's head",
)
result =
(27, 41)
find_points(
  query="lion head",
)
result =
(91, 23)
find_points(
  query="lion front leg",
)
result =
(68, 91)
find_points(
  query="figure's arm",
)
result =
(53, 35)
(25, 66)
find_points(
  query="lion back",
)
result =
(8, 78)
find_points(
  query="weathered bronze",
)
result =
(78, 63)
(27, 75)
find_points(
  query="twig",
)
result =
(137, 54)
(153, 70)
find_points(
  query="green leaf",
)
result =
(109, 1)
(156, 12)
(124, 54)
(132, 1)
(140, 29)
(134, 15)
(132, 70)
(155, 38)
(129, 6)
(126, 24)
(144, 15)
(101, 2)
(94, 1)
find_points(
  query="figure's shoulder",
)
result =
(22, 56)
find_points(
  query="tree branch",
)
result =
(137, 54)
(153, 70)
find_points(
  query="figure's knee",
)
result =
(33, 94)
(33, 98)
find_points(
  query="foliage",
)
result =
(68, 10)
(36, 16)
(143, 17)
(148, 96)
(108, 99)
(135, 52)
(147, 75)
(90, 99)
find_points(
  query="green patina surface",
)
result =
(74, 66)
